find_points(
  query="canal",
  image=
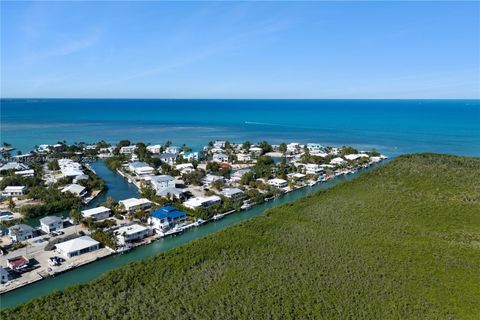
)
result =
(121, 189)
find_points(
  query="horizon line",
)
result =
(127, 98)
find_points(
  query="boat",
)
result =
(199, 222)
(123, 249)
(245, 206)
(218, 216)
(174, 231)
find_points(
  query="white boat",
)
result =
(123, 249)
(175, 230)
(199, 222)
(218, 216)
(245, 206)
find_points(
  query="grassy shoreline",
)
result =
(402, 241)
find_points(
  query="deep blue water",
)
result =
(391, 126)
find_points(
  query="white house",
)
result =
(337, 161)
(209, 179)
(220, 157)
(195, 203)
(279, 183)
(190, 156)
(155, 149)
(244, 157)
(165, 217)
(13, 191)
(128, 149)
(77, 246)
(4, 275)
(13, 166)
(98, 213)
(168, 158)
(131, 233)
(162, 182)
(219, 144)
(356, 156)
(140, 168)
(314, 147)
(76, 189)
(293, 147)
(133, 204)
(233, 193)
(20, 232)
(51, 223)
(26, 173)
(313, 168)
(237, 175)
(173, 192)
(256, 150)
(172, 149)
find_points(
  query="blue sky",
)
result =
(240, 49)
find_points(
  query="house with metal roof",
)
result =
(233, 193)
(51, 223)
(20, 232)
(14, 191)
(98, 213)
(77, 246)
(162, 182)
(13, 166)
(133, 204)
(165, 217)
(75, 189)
(132, 233)
(140, 168)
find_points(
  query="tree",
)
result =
(53, 165)
(246, 145)
(282, 147)
(11, 204)
(266, 147)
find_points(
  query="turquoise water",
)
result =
(97, 268)
(391, 126)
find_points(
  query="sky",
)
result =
(135, 49)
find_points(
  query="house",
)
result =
(313, 168)
(296, 176)
(140, 168)
(185, 168)
(26, 173)
(314, 147)
(279, 183)
(217, 150)
(195, 203)
(219, 144)
(131, 233)
(13, 191)
(293, 147)
(20, 232)
(13, 166)
(233, 193)
(168, 158)
(191, 156)
(353, 157)
(165, 217)
(77, 246)
(75, 189)
(173, 150)
(173, 192)
(244, 157)
(337, 161)
(4, 275)
(128, 149)
(162, 182)
(18, 263)
(220, 157)
(209, 179)
(134, 204)
(98, 213)
(237, 175)
(70, 168)
(51, 223)
(256, 150)
(155, 149)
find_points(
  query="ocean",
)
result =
(391, 126)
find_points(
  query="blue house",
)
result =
(165, 217)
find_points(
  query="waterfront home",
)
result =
(237, 175)
(18, 263)
(219, 144)
(155, 149)
(296, 176)
(133, 204)
(25, 173)
(191, 156)
(313, 168)
(4, 275)
(293, 147)
(172, 149)
(233, 193)
(279, 183)
(313, 147)
(338, 161)
(128, 149)
(165, 217)
(217, 150)
(77, 246)
(209, 179)
(353, 157)
(132, 233)
(14, 191)
(51, 223)
(75, 189)
(197, 202)
(20, 232)
(244, 157)
(220, 157)
(13, 166)
(161, 182)
(173, 192)
(140, 168)
(185, 168)
(168, 158)
(96, 214)
(255, 150)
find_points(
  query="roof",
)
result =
(139, 164)
(74, 188)
(162, 178)
(13, 166)
(200, 201)
(168, 212)
(14, 188)
(277, 180)
(132, 202)
(170, 190)
(231, 191)
(220, 155)
(20, 228)
(50, 220)
(17, 262)
(167, 155)
(97, 210)
(76, 244)
(134, 228)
